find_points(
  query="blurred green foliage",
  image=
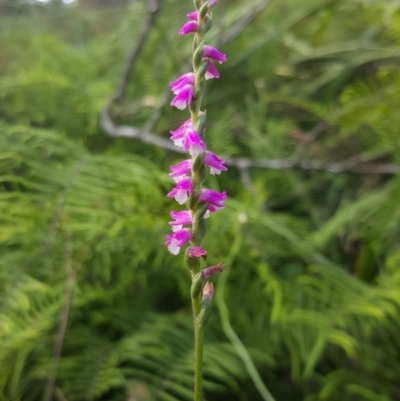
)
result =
(313, 290)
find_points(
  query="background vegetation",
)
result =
(93, 307)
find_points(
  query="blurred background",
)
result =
(93, 306)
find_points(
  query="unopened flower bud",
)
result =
(208, 291)
(206, 303)
(197, 252)
(210, 271)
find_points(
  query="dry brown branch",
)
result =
(62, 327)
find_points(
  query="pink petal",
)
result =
(211, 72)
(212, 52)
(189, 27)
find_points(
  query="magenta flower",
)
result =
(186, 89)
(197, 252)
(190, 27)
(213, 53)
(177, 239)
(181, 170)
(211, 71)
(213, 198)
(215, 163)
(195, 15)
(182, 218)
(193, 143)
(178, 135)
(183, 98)
(182, 190)
(181, 82)
(183, 88)
(211, 270)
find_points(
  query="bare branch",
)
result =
(245, 177)
(356, 164)
(125, 131)
(153, 8)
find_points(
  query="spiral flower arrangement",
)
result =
(188, 226)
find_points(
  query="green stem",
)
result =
(196, 239)
(198, 351)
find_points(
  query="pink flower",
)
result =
(181, 170)
(194, 15)
(193, 142)
(211, 72)
(178, 135)
(182, 81)
(186, 137)
(182, 190)
(190, 27)
(184, 168)
(177, 239)
(213, 198)
(210, 271)
(184, 90)
(183, 98)
(213, 53)
(182, 218)
(197, 252)
(216, 164)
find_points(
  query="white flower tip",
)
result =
(179, 104)
(178, 142)
(214, 171)
(181, 197)
(174, 249)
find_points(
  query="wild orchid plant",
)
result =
(189, 226)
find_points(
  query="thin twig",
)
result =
(59, 340)
(358, 164)
(153, 8)
(125, 131)
(311, 136)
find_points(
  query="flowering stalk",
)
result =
(189, 226)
